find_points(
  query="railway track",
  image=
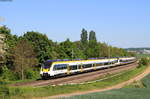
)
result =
(79, 78)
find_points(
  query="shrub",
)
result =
(7, 74)
(143, 62)
(32, 74)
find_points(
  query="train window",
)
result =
(87, 65)
(47, 65)
(83, 66)
(73, 67)
(60, 66)
(106, 63)
(121, 60)
(99, 64)
(124, 60)
(115, 61)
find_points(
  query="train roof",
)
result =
(78, 59)
(89, 59)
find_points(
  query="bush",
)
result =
(144, 62)
(7, 74)
(32, 74)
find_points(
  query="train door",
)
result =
(81, 67)
(94, 65)
(68, 69)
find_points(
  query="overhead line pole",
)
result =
(72, 54)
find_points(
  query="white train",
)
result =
(52, 68)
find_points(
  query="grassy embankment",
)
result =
(137, 90)
(142, 55)
(26, 92)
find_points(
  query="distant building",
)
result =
(140, 51)
(132, 51)
(146, 51)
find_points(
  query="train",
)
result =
(55, 68)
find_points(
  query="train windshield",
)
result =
(47, 65)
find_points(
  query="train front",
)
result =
(45, 69)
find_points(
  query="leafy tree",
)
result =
(93, 49)
(70, 50)
(4, 30)
(92, 36)
(9, 42)
(66, 49)
(84, 37)
(4, 33)
(79, 52)
(42, 45)
(24, 57)
(103, 49)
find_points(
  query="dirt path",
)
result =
(137, 78)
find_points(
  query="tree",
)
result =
(9, 41)
(93, 49)
(65, 50)
(70, 50)
(78, 51)
(84, 37)
(24, 57)
(92, 36)
(4, 30)
(4, 36)
(42, 45)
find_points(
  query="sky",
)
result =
(120, 23)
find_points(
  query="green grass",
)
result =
(17, 81)
(137, 90)
(146, 81)
(26, 92)
(142, 55)
(123, 93)
(135, 84)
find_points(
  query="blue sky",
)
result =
(121, 23)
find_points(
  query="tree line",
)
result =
(25, 54)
